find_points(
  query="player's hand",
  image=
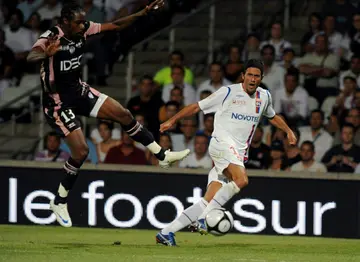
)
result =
(334, 160)
(166, 125)
(154, 6)
(52, 46)
(292, 138)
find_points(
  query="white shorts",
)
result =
(222, 153)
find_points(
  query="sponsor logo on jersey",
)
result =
(257, 102)
(239, 102)
(242, 117)
(67, 65)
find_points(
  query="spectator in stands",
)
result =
(292, 100)
(126, 153)
(259, 153)
(350, 44)
(176, 94)
(95, 133)
(271, 133)
(171, 108)
(334, 37)
(315, 133)
(344, 157)
(273, 73)
(321, 66)
(165, 143)
(185, 140)
(102, 148)
(34, 25)
(7, 60)
(252, 48)
(357, 99)
(208, 126)
(93, 13)
(163, 76)
(289, 61)
(177, 75)
(277, 41)
(342, 11)
(277, 156)
(19, 39)
(354, 71)
(234, 65)
(216, 80)
(52, 151)
(352, 118)
(308, 163)
(92, 156)
(199, 158)
(315, 26)
(147, 103)
(346, 99)
(51, 9)
(28, 7)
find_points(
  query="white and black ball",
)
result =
(219, 222)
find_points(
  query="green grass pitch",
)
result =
(53, 244)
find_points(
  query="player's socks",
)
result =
(225, 193)
(188, 216)
(71, 168)
(140, 134)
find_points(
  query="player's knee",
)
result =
(82, 153)
(126, 116)
(241, 181)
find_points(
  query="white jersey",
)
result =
(237, 115)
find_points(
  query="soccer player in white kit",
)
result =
(238, 109)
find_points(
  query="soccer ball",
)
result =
(219, 222)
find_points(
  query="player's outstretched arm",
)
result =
(185, 112)
(126, 21)
(278, 122)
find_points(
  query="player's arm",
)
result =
(187, 111)
(43, 49)
(278, 122)
(126, 21)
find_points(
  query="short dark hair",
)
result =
(69, 9)
(201, 135)
(178, 67)
(289, 50)
(206, 92)
(217, 64)
(147, 77)
(208, 115)
(318, 111)
(254, 63)
(53, 134)
(350, 78)
(310, 144)
(271, 47)
(172, 103)
(348, 125)
(293, 72)
(177, 88)
(109, 124)
(179, 53)
(19, 14)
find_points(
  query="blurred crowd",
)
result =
(315, 89)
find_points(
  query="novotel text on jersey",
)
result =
(245, 117)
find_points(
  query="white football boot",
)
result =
(171, 157)
(61, 213)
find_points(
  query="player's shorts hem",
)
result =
(100, 101)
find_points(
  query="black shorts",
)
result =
(62, 115)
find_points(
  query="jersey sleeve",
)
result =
(92, 28)
(215, 101)
(269, 111)
(43, 39)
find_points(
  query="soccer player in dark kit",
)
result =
(59, 50)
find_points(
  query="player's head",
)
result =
(253, 73)
(73, 18)
(307, 151)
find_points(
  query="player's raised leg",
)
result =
(237, 175)
(79, 151)
(112, 110)
(190, 215)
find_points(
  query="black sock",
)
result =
(71, 168)
(140, 134)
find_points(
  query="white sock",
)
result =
(154, 147)
(188, 216)
(225, 193)
(62, 191)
